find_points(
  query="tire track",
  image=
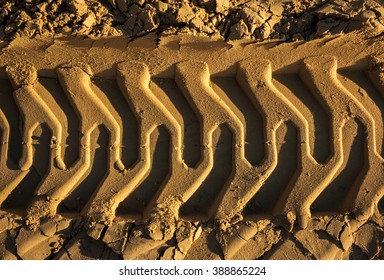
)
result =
(192, 145)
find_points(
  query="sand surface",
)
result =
(177, 143)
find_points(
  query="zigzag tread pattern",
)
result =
(246, 159)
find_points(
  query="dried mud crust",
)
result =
(283, 20)
(189, 148)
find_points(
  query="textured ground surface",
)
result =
(154, 143)
(283, 20)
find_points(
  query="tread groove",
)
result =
(11, 113)
(67, 116)
(361, 85)
(23, 194)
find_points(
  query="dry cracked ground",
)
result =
(202, 129)
(282, 20)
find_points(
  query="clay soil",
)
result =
(191, 129)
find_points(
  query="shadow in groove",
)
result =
(11, 112)
(381, 206)
(365, 84)
(72, 142)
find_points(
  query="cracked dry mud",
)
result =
(191, 129)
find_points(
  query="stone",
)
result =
(222, 5)
(238, 30)
(320, 244)
(161, 6)
(89, 20)
(78, 7)
(185, 13)
(369, 239)
(122, 5)
(147, 18)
